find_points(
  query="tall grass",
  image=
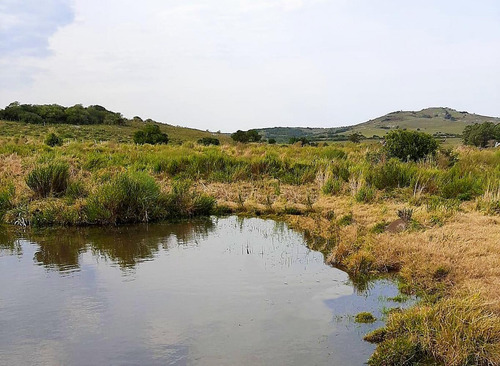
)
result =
(458, 331)
(51, 179)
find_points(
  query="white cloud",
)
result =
(231, 64)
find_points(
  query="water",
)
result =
(211, 292)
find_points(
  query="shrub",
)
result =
(53, 140)
(51, 179)
(271, 141)
(150, 134)
(246, 136)
(410, 145)
(209, 141)
(128, 197)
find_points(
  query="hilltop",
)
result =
(440, 122)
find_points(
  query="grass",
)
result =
(364, 317)
(345, 194)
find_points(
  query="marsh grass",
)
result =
(459, 331)
(50, 179)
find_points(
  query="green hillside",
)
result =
(440, 122)
(118, 133)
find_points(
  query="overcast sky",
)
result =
(239, 64)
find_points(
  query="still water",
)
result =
(220, 291)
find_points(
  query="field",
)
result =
(435, 222)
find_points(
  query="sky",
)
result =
(241, 64)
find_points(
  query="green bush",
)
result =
(53, 140)
(51, 179)
(410, 145)
(209, 141)
(128, 197)
(150, 134)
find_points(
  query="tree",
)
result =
(410, 145)
(356, 137)
(240, 136)
(271, 141)
(150, 134)
(479, 134)
(253, 136)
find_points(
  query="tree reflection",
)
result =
(9, 241)
(60, 249)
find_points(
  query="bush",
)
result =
(150, 134)
(410, 145)
(53, 140)
(271, 141)
(209, 141)
(128, 197)
(51, 179)
(246, 136)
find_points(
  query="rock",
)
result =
(396, 226)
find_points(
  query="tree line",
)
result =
(57, 114)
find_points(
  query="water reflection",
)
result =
(211, 292)
(61, 249)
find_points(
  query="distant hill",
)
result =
(440, 122)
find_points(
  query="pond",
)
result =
(218, 291)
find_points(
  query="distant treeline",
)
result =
(57, 114)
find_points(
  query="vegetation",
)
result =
(209, 141)
(481, 134)
(56, 114)
(410, 145)
(347, 195)
(50, 179)
(364, 317)
(150, 134)
(53, 140)
(246, 136)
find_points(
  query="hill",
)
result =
(440, 122)
(118, 133)
(85, 123)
